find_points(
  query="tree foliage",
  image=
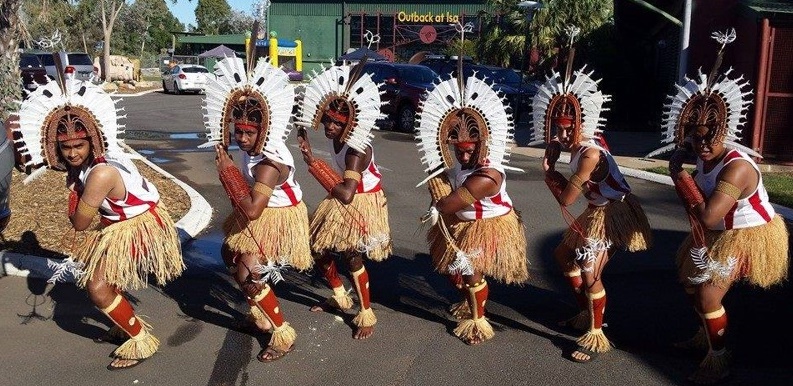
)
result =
(210, 15)
(504, 42)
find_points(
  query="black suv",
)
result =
(405, 84)
(506, 81)
(33, 73)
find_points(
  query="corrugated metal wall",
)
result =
(319, 24)
(778, 133)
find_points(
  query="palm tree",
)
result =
(505, 39)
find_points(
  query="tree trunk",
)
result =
(106, 56)
(10, 78)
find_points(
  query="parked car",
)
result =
(405, 84)
(6, 166)
(77, 64)
(506, 81)
(33, 72)
(185, 77)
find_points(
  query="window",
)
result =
(78, 59)
(29, 61)
(46, 59)
(195, 70)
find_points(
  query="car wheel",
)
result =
(176, 89)
(164, 89)
(406, 118)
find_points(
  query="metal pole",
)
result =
(682, 61)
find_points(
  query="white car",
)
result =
(185, 77)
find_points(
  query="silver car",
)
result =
(77, 64)
(185, 77)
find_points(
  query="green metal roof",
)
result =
(212, 39)
(769, 9)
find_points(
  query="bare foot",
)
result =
(363, 332)
(123, 364)
(322, 307)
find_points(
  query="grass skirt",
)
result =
(130, 250)
(360, 226)
(281, 236)
(497, 247)
(622, 224)
(759, 254)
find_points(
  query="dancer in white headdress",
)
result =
(476, 232)
(735, 233)
(566, 112)
(268, 229)
(353, 219)
(72, 125)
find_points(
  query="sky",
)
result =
(184, 10)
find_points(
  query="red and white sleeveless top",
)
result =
(370, 177)
(285, 194)
(749, 212)
(488, 207)
(613, 187)
(141, 195)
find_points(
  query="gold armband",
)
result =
(728, 189)
(577, 182)
(263, 189)
(466, 195)
(353, 175)
(86, 210)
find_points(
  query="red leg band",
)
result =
(332, 275)
(577, 284)
(716, 326)
(268, 303)
(361, 279)
(121, 313)
(477, 299)
(597, 308)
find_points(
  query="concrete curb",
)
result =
(194, 221)
(120, 95)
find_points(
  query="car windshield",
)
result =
(46, 59)
(29, 61)
(194, 70)
(417, 74)
(80, 60)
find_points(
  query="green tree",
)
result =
(237, 22)
(210, 15)
(504, 43)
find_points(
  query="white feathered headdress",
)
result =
(459, 111)
(65, 110)
(713, 100)
(345, 88)
(574, 98)
(262, 98)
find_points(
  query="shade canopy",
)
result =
(220, 51)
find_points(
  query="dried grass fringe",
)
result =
(501, 240)
(141, 347)
(623, 223)
(470, 329)
(283, 337)
(762, 254)
(461, 310)
(130, 250)
(365, 318)
(580, 321)
(280, 232)
(595, 340)
(338, 227)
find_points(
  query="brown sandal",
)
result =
(271, 354)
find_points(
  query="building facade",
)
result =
(329, 28)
